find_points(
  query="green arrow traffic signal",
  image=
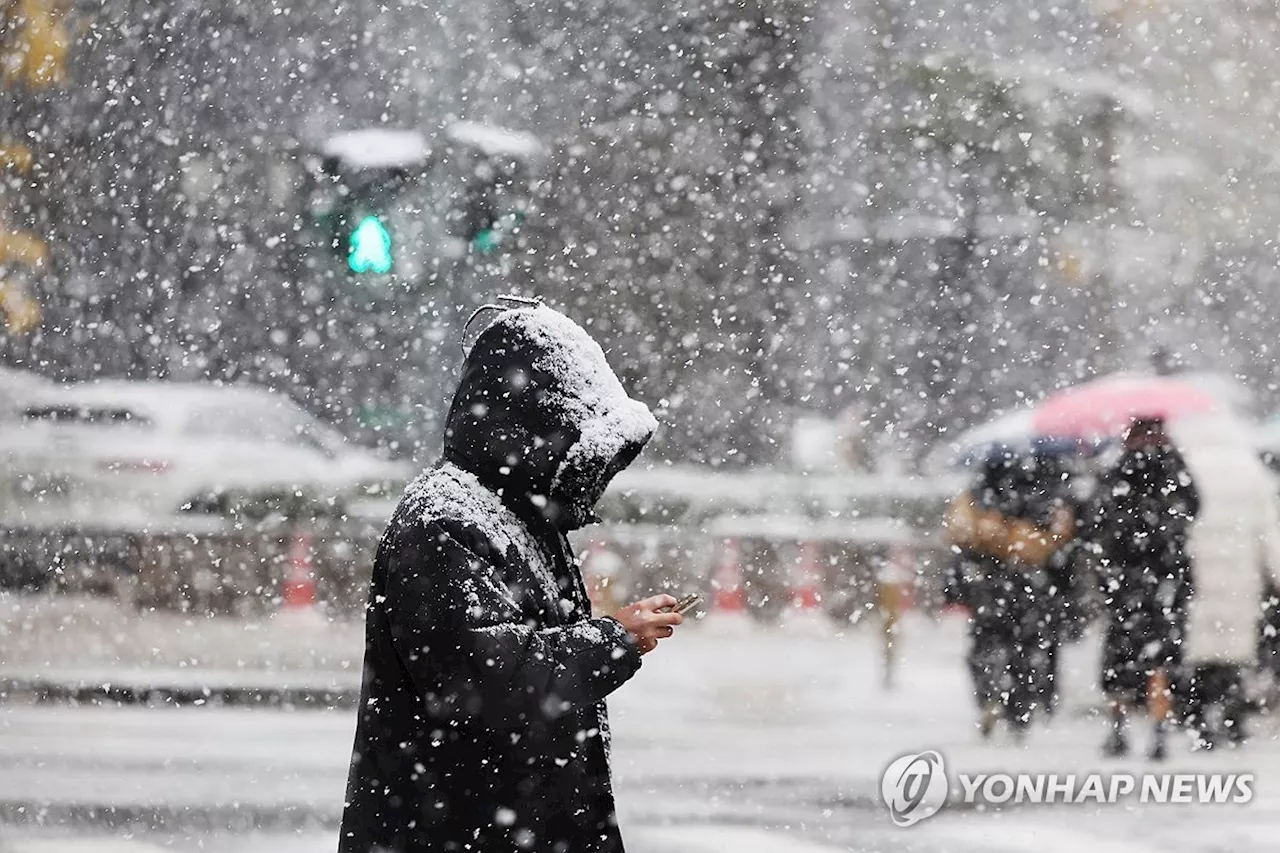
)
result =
(486, 241)
(369, 249)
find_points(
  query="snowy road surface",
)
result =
(728, 731)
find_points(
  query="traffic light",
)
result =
(391, 211)
(22, 313)
(488, 240)
(369, 247)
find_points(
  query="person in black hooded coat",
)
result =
(482, 724)
(1141, 519)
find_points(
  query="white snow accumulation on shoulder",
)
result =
(449, 493)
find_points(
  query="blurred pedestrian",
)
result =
(1234, 551)
(1052, 504)
(1142, 516)
(482, 724)
(1006, 531)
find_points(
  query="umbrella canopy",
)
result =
(1089, 415)
(1011, 434)
(1104, 408)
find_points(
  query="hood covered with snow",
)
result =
(540, 418)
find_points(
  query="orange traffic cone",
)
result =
(300, 583)
(731, 596)
(806, 588)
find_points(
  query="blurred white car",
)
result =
(16, 388)
(157, 455)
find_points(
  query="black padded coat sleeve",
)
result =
(458, 629)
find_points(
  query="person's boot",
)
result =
(1117, 742)
(1236, 730)
(1018, 727)
(1050, 699)
(987, 722)
(1116, 746)
(1202, 731)
(1159, 746)
(1234, 713)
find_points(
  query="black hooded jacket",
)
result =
(482, 723)
(1144, 509)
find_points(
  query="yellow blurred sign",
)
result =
(35, 42)
(22, 247)
(35, 53)
(22, 313)
(15, 155)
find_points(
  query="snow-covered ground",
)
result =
(52, 634)
(688, 839)
(728, 730)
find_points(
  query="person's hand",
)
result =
(645, 624)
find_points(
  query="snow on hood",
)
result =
(540, 416)
(608, 420)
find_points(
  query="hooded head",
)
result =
(540, 418)
(996, 480)
(1144, 432)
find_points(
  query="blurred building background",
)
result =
(768, 210)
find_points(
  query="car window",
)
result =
(276, 425)
(244, 422)
(321, 437)
(84, 416)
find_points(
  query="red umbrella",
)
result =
(1105, 407)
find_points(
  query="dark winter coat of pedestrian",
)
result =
(482, 723)
(1051, 503)
(1008, 530)
(1142, 516)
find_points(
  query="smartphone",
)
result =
(689, 601)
